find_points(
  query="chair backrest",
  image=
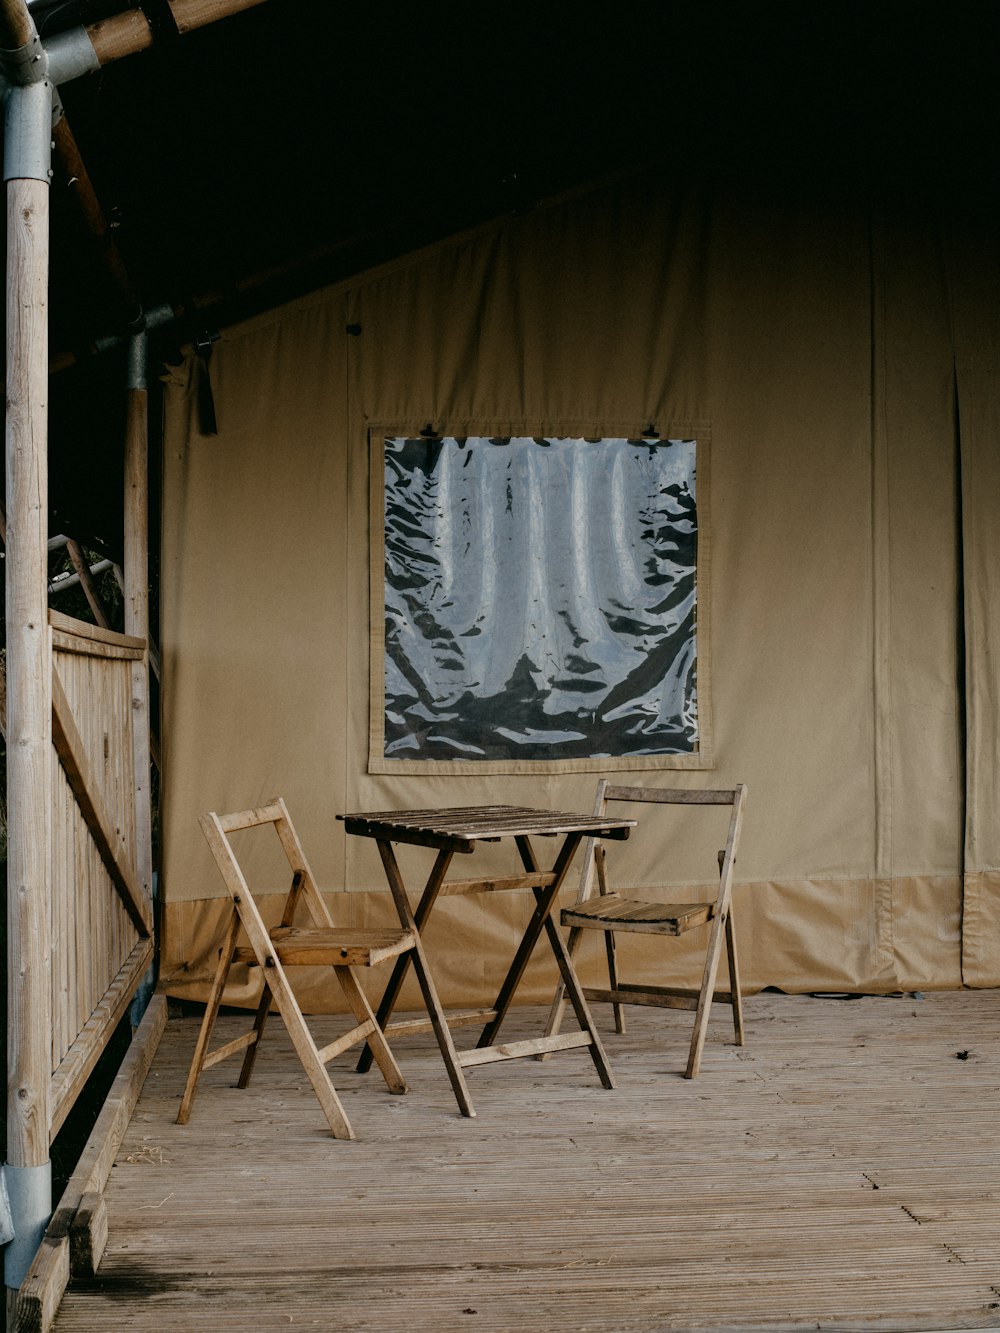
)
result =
(733, 797)
(217, 829)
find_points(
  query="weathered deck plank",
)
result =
(838, 1172)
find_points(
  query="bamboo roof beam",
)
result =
(86, 49)
(79, 183)
(131, 31)
(17, 28)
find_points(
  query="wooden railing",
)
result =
(101, 927)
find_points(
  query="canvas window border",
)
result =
(701, 759)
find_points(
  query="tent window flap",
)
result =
(540, 599)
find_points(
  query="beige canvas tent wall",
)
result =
(838, 363)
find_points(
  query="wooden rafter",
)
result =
(16, 26)
(122, 34)
(131, 31)
(78, 180)
(82, 566)
(113, 38)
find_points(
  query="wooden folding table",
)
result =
(451, 831)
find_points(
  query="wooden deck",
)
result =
(842, 1171)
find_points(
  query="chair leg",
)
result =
(210, 1015)
(600, 864)
(706, 995)
(260, 1019)
(558, 1008)
(377, 1043)
(559, 1001)
(305, 1048)
(579, 1003)
(619, 1009)
(735, 987)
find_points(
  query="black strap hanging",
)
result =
(160, 18)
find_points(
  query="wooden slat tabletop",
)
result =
(469, 824)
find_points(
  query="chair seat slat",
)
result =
(305, 945)
(611, 909)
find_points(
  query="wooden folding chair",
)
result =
(286, 946)
(612, 912)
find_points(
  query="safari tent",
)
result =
(402, 553)
(829, 364)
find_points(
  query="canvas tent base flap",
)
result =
(815, 340)
(473, 940)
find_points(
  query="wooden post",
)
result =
(29, 674)
(29, 667)
(136, 593)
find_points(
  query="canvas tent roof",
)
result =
(298, 142)
(292, 128)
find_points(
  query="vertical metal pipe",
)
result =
(136, 592)
(137, 492)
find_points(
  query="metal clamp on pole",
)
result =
(29, 1191)
(71, 54)
(6, 1216)
(137, 357)
(27, 148)
(28, 111)
(28, 64)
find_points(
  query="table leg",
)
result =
(579, 1003)
(544, 901)
(427, 987)
(391, 993)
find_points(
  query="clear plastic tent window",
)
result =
(540, 598)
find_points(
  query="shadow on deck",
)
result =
(839, 1172)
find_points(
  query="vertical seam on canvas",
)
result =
(881, 606)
